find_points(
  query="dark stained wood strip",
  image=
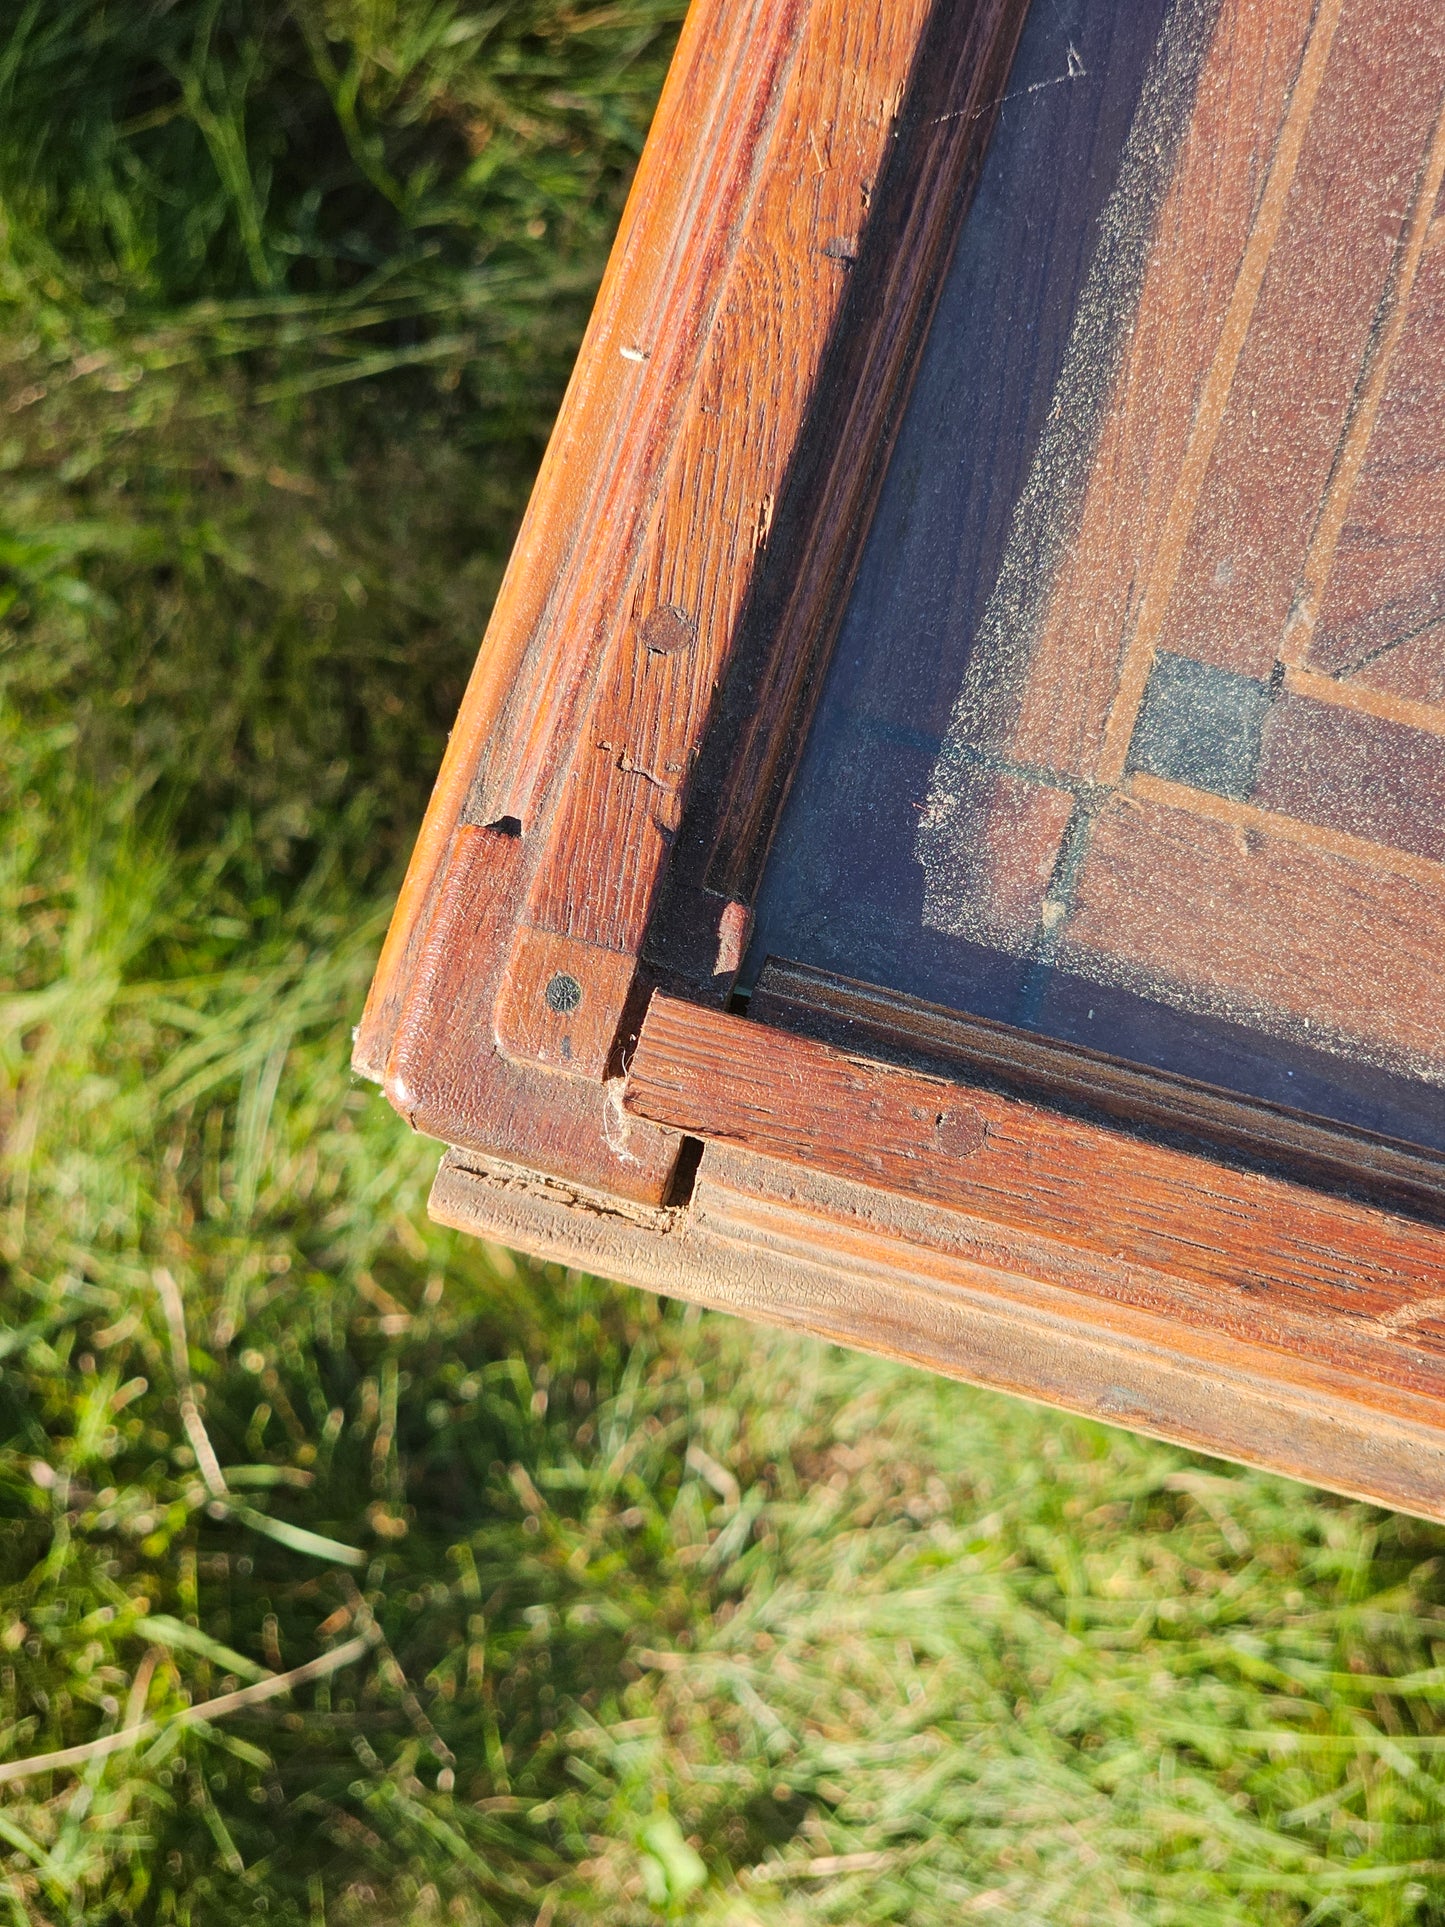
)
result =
(866, 1019)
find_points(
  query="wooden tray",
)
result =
(945, 842)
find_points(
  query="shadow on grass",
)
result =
(679, 1620)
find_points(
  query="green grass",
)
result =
(669, 1619)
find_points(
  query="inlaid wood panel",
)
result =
(1205, 550)
(1196, 753)
(1376, 623)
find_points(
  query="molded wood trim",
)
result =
(1299, 1274)
(772, 1243)
(694, 395)
(870, 1020)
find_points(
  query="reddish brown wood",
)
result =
(1275, 379)
(701, 504)
(1339, 271)
(691, 576)
(866, 1020)
(1273, 1262)
(792, 623)
(1227, 198)
(1383, 600)
(774, 1242)
(633, 382)
(1267, 920)
(446, 1076)
(681, 425)
(670, 631)
(1377, 777)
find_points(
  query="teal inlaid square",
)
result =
(1201, 725)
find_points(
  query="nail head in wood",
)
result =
(667, 631)
(563, 993)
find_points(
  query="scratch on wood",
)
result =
(517, 1179)
(629, 768)
(1403, 1315)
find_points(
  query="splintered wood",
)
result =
(1199, 752)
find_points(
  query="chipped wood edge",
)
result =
(733, 1249)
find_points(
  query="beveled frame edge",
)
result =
(714, 156)
(770, 1243)
(1164, 1105)
(430, 1029)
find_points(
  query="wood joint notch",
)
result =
(446, 1076)
(577, 1007)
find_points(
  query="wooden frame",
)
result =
(553, 998)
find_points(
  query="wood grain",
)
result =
(792, 621)
(1268, 450)
(707, 513)
(446, 1076)
(1379, 614)
(867, 1020)
(662, 284)
(1275, 300)
(804, 235)
(1378, 778)
(768, 1241)
(701, 504)
(1226, 200)
(686, 411)
(1372, 691)
(682, 422)
(1302, 404)
(1267, 920)
(1137, 1219)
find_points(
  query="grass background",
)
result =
(672, 1619)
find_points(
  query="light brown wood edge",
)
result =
(741, 1247)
